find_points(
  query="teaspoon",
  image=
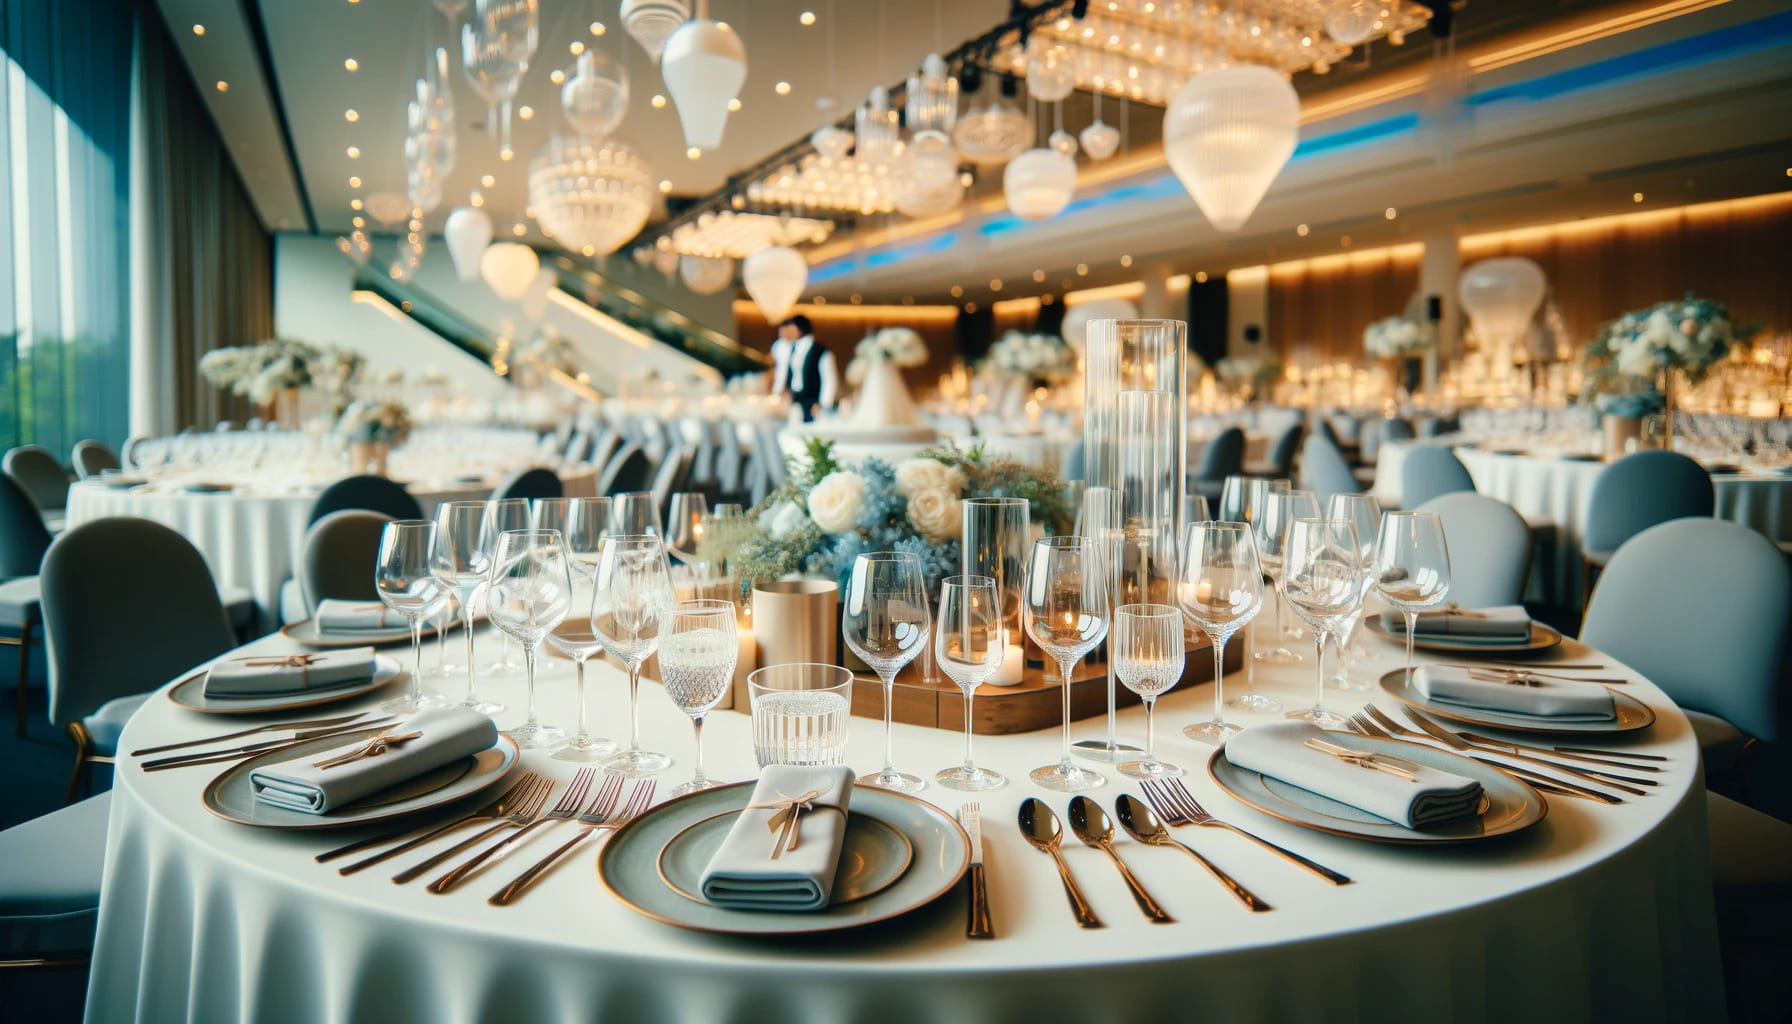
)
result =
(1091, 825)
(1039, 826)
(1138, 821)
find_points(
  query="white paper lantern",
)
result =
(774, 277)
(509, 268)
(650, 22)
(1501, 295)
(467, 232)
(1039, 183)
(704, 64)
(1227, 134)
(1100, 140)
(706, 275)
(595, 96)
(1075, 327)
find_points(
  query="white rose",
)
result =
(916, 475)
(834, 503)
(936, 514)
(1636, 359)
(783, 520)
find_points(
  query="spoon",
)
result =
(1039, 826)
(1091, 825)
(1138, 821)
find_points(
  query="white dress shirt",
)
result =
(787, 359)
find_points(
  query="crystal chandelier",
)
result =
(496, 47)
(595, 96)
(650, 22)
(738, 235)
(818, 182)
(932, 104)
(993, 132)
(429, 146)
(879, 128)
(591, 196)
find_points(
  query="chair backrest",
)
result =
(128, 605)
(1324, 470)
(129, 452)
(731, 459)
(92, 458)
(23, 536)
(372, 493)
(673, 476)
(1224, 456)
(577, 446)
(703, 459)
(1281, 454)
(1490, 548)
(529, 483)
(1641, 490)
(1076, 460)
(1323, 425)
(1699, 606)
(338, 558)
(1430, 470)
(39, 475)
(1396, 429)
(603, 449)
(629, 470)
(1368, 440)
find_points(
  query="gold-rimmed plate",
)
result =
(1632, 714)
(628, 867)
(1507, 805)
(189, 693)
(873, 856)
(309, 633)
(1542, 638)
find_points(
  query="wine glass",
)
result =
(698, 651)
(969, 642)
(1221, 589)
(885, 621)
(633, 600)
(684, 530)
(1269, 527)
(587, 519)
(407, 583)
(503, 516)
(634, 514)
(1322, 576)
(1412, 567)
(1305, 506)
(530, 594)
(1065, 599)
(548, 513)
(1148, 655)
(1235, 498)
(463, 562)
(1364, 513)
(1194, 510)
(1242, 497)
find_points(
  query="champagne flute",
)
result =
(684, 530)
(463, 562)
(503, 516)
(969, 642)
(698, 651)
(1412, 567)
(885, 622)
(1269, 529)
(1364, 513)
(1065, 599)
(633, 600)
(587, 519)
(1322, 576)
(634, 514)
(406, 581)
(530, 593)
(1148, 655)
(1221, 589)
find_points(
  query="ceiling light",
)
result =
(1636, 197)
(1039, 276)
(658, 101)
(970, 307)
(596, 100)
(1227, 134)
(352, 64)
(1390, 213)
(806, 18)
(820, 300)
(525, 112)
(415, 224)
(597, 28)
(519, 229)
(692, 153)
(1200, 277)
(774, 278)
(199, 30)
(360, 222)
(1126, 261)
(575, 48)
(1082, 269)
(351, 115)
(966, 179)
(703, 65)
(596, 194)
(782, 88)
(223, 86)
(1301, 230)
(488, 181)
(476, 198)
(354, 204)
(734, 105)
(354, 181)
(856, 298)
(507, 154)
(1344, 242)
(651, 22)
(957, 291)
(557, 76)
(354, 152)
(995, 284)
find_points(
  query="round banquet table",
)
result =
(1595, 912)
(253, 540)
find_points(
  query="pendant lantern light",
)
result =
(775, 277)
(704, 64)
(1227, 134)
(467, 232)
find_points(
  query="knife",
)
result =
(240, 753)
(978, 926)
(275, 727)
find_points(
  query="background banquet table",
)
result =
(1596, 912)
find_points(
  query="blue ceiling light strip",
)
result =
(834, 269)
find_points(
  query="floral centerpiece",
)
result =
(371, 426)
(896, 346)
(276, 369)
(1689, 335)
(830, 513)
(1252, 374)
(1031, 356)
(1399, 337)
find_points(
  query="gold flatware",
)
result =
(1488, 741)
(504, 804)
(978, 924)
(239, 753)
(598, 817)
(239, 734)
(1633, 755)
(1537, 780)
(1449, 739)
(1091, 825)
(1039, 826)
(1177, 806)
(1531, 673)
(374, 747)
(1594, 775)
(527, 809)
(567, 807)
(1508, 678)
(1362, 759)
(1138, 821)
(1557, 665)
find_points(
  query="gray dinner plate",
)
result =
(1632, 714)
(189, 693)
(873, 856)
(1542, 638)
(309, 633)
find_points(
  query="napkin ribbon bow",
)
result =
(302, 662)
(1452, 608)
(787, 822)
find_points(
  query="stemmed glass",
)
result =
(463, 562)
(587, 519)
(633, 601)
(530, 593)
(1240, 501)
(1364, 513)
(1148, 655)
(1102, 522)
(1270, 530)
(1322, 576)
(885, 622)
(1066, 606)
(969, 642)
(634, 514)
(407, 583)
(549, 513)
(1221, 589)
(684, 530)
(1412, 567)
(698, 651)
(501, 517)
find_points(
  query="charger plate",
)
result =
(873, 856)
(189, 693)
(309, 633)
(1542, 638)
(1633, 714)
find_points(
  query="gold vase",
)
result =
(369, 457)
(1619, 430)
(285, 411)
(796, 621)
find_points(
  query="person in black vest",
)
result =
(802, 370)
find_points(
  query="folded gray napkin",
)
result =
(1504, 623)
(272, 674)
(449, 734)
(1279, 751)
(743, 875)
(1558, 700)
(347, 616)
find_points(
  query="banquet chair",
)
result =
(23, 541)
(672, 477)
(114, 635)
(1396, 429)
(731, 461)
(50, 890)
(1368, 441)
(603, 448)
(338, 556)
(1281, 454)
(577, 446)
(1224, 457)
(529, 483)
(1323, 469)
(1076, 460)
(92, 458)
(373, 493)
(43, 480)
(629, 470)
(1430, 470)
(1490, 560)
(703, 458)
(129, 451)
(1639, 491)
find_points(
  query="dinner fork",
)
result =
(1537, 779)
(1399, 731)
(1593, 775)
(594, 818)
(526, 811)
(566, 808)
(1177, 806)
(506, 803)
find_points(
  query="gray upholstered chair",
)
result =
(731, 461)
(128, 605)
(1639, 491)
(1368, 441)
(630, 469)
(1323, 468)
(369, 492)
(23, 541)
(527, 483)
(50, 890)
(1490, 548)
(35, 469)
(1223, 457)
(338, 557)
(1281, 454)
(672, 477)
(1396, 429)
(603, 448)
(1428, 471)
(92, 458)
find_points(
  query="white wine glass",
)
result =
(885, 622)
(1305, 506)
(501, 517)
(1412, 567)
(633, 600)
(1269, 528)
(405, 578)
(1066, 606)
(634, 514)
(587, 519)
(698, 651)
(1322, 576)
(1240, 504)
(1221, 590)
(969, 642)
(1364, 513)
(530, 593)
(463, 562)
(684, 526)
(1148, 654)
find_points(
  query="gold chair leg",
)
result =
(83, 756)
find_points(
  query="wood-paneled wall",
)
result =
(1319, 307)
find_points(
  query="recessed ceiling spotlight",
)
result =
(519, 229)
(506, 154)
(856, 298)
(354, 204)
(351, 115)
(1345, 241)
(557, 76)
(734, 105)
(1082, 270)
(1636, 197)
(354, 181)
(199, 30)
(970, 307)
(957, 291)
(1301, 230)
(782, 88)
(488, 181)
(1039, 276)
(360, 222)
(665, 186)
(1200, 277)
(575, 47)
(658, 101)
(597, 28)
(223, 86)
(995, 284)
(1126, 261)
(1391, 213)
(525, 112)
(476, 198)
(354, 152)
(819, 300)
(693, 153)
(352, 64)
(806, 18)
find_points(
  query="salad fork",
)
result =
(1177, 806)
(594, 818)
(528, 809)
(566, 808)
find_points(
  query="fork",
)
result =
(504, 804)
(1177, 806)
(526, 811)
(1594, 775)
(594, 818)
(1537, 779)
(566, 808)
(1399, 731)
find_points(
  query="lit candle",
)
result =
(1014, 662)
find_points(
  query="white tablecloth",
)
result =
(1596, 913)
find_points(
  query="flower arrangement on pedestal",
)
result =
(1031, 356)
(375, 421)
(260, 372)
(896, 346)
(1399, 337)
(1688, 335)
(829, 513)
